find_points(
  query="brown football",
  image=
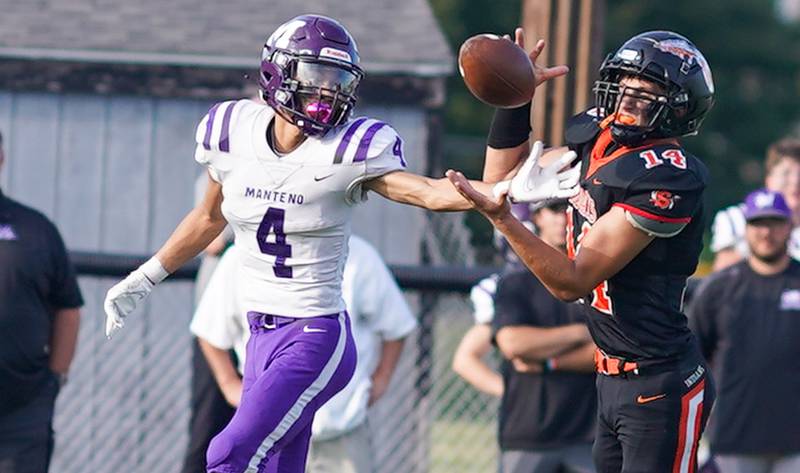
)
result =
(496, 71)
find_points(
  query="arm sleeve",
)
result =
(378, 297)
(702, 315)
(727, 229)
(378, 154)
(663, 202)
(65, 292)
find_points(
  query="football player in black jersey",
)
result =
(635, 235)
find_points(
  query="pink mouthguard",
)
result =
(319, 111)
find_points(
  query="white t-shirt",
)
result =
(727, 231)
(291, 214)
(219, 317)
(482, 297)
(378, 311)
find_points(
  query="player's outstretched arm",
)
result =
(611, 244)
(193, 234)
(421, 191)
(508, 143)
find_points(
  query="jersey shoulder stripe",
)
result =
(366, 140)
(215, 130)
(348, 135)
(363, 139)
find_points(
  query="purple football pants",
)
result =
(293, 366)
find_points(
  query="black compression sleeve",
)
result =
(510, 127)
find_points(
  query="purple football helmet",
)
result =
(310, 73)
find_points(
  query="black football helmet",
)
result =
(672, 62)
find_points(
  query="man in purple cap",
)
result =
(747, 319)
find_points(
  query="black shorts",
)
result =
(651, 423)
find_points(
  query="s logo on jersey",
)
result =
(663, 200)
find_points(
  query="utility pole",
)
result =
(573, 30)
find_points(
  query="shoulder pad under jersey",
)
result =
(362, 139)
(581, 128)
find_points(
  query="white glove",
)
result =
(534, 184)
(124, 296)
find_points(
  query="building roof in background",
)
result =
(393, 36)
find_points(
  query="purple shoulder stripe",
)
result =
(348, 135)
(209, 125)
(224, 137)
(363, 147)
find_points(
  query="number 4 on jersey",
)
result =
(273, 220)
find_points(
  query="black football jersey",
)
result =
(637, 314)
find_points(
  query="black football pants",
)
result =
(652, 423)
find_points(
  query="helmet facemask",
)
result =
(313, 94)
(637, 112)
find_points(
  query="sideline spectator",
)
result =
(747, 320)
(549, 405)
(39, 319)
(782, 175)
(469, 357)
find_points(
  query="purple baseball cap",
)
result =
(765, 203)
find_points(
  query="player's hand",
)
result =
(494, 208)
(123, 298)
(534, 183)
(541, 74)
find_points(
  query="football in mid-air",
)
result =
(496, 71)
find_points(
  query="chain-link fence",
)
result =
(126, 407)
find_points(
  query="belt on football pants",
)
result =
(613, 366)
(260, 320)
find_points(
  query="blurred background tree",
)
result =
(753, 47)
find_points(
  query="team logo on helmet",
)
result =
(678, 47)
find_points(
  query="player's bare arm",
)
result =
(612, 244)
(200, 226)
(540, 343)
(196, 231)
(421, 191)
(501, 163)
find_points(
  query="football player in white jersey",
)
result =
(286, 176)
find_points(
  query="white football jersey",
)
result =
(291, 214)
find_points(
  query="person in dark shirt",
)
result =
(549, 404)
(39, 317)
(747, 320)
(635, 232)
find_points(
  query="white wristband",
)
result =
(154, 270)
